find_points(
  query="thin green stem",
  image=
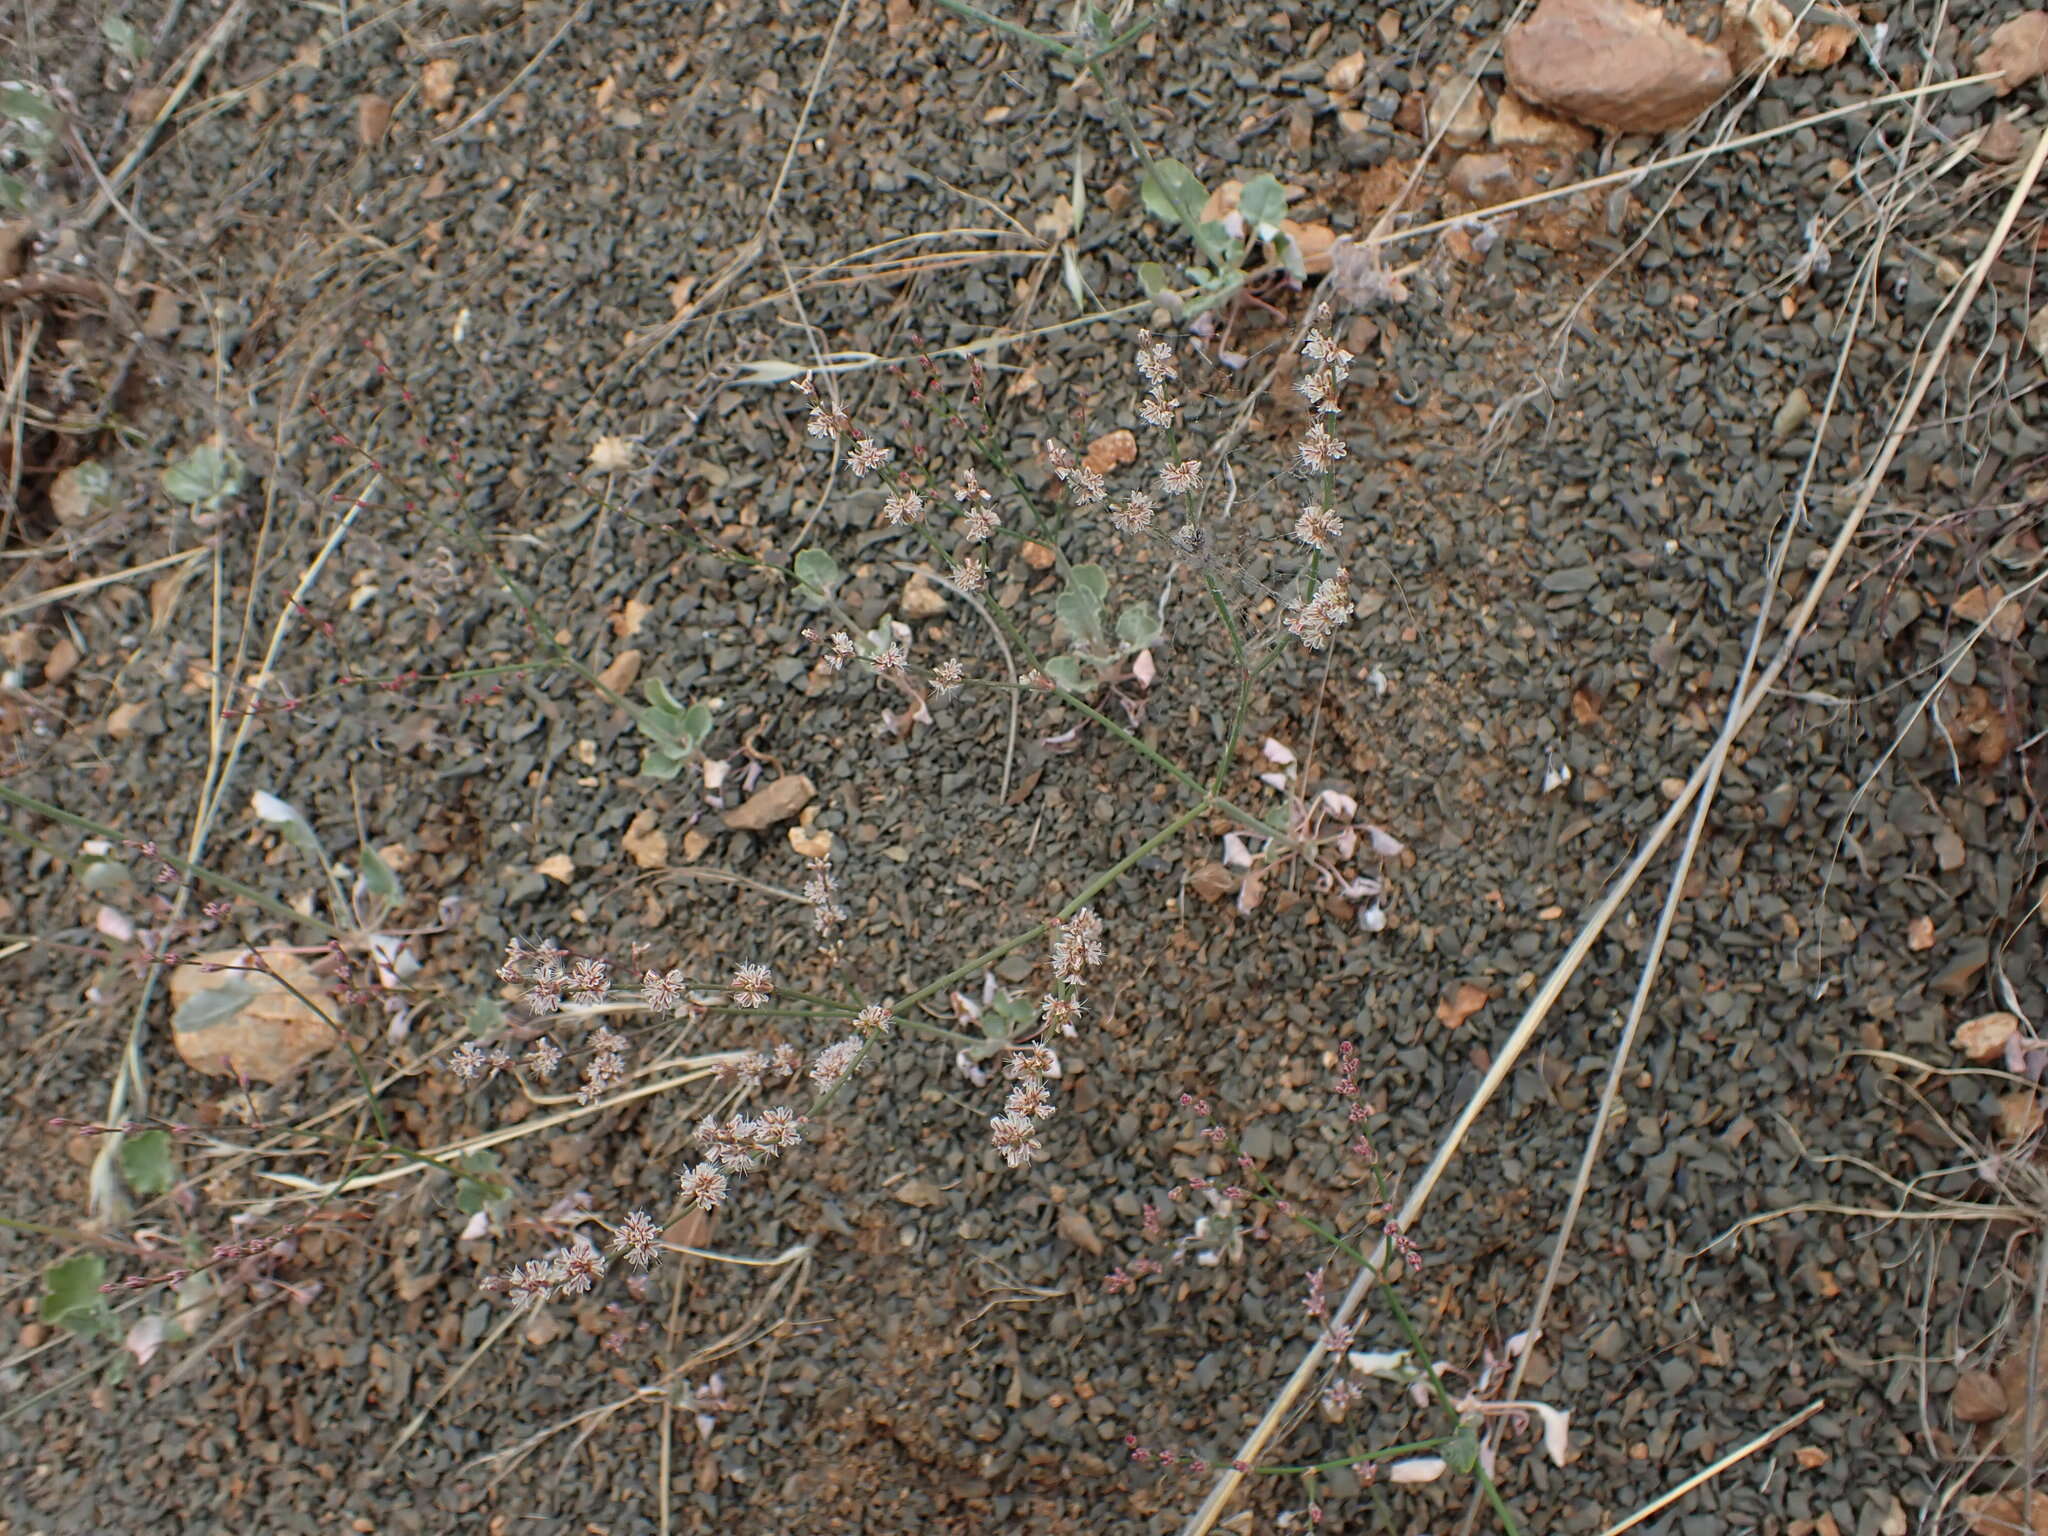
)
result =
(276, 908)
(1086, 894)
(1419, 1348)
(1039, 40)
(1385, 1453)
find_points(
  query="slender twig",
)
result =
(1705, 1475)
(1009, 667)
(71, 589)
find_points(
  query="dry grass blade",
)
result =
(1741, 1453)
(704, 1067)
(419, 1420)
(72, 589)
(1672, 162)
(1553, 987)
(498, 97)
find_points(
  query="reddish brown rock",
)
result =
(250, 1014)
(1456, 109)
(2018, 50)
(1614, 64)
(1484, 180)
(1517, 125)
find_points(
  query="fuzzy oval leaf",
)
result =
(1154, 279)
(657, 763)
(1289, 252)
(1089, 578)
(485, 1017)
(146, 1162)
(378, 876)
(126, 40)
(206, 475)
(71, 1294)
(1172, 194)
(659, 696)
(1263, 202)
(817, 571)
(1066, 671)
(696, 725)
(1081, 615)
(1137, 627)
(27, 107)
(286, 817)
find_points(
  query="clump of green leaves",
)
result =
(1174, 195)
(1099, 652)
(205, 479)
(675, 734)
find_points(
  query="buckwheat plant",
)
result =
(968, 518)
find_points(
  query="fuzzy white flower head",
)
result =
(1319, 528)
(903, 508)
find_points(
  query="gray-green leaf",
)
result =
(817, 571)
(485, 1017)
(205, 477)
(71, 1295)
(146, 1162)
(1263, 202)
(28, 108)
(378, 876)
(1082, 616)
(1172, 194)
(1291, 257)
(1091, 579)
(1137, 627)
(1066, 671)
(696, 725)
(127, 41)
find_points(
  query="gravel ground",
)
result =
(1572, 455)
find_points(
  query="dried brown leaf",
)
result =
(776, 801)
(645, 842)
(2015, 1512)
(437, 82)
(1077, 1229)
(624, 668)
(2019, 1116)
(1983, 1038)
